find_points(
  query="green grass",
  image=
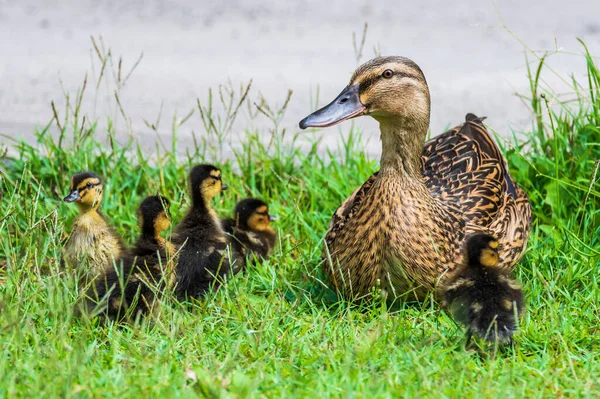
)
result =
(277, 330)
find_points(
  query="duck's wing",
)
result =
(348, 207)
(465, 170)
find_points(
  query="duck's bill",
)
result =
(73, 196)
(224, 187)
(273, 217)
(346, 106)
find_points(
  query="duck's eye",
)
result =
(388, 73)
(89, 185)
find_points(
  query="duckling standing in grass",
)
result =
(251, 229)
(483, 296)
(142, 275)
(93, 245)
(205, 258)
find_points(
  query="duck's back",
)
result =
(154, 260)
(141, 273)
(203, 258)
(464, 169)
(251, 243)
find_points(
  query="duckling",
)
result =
(405, 227)
(205, 257)
(483, 296)
(141, 276)
(251, 229)
(93, 245)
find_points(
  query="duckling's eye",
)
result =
(388, 73)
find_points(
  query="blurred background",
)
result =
(473, 54)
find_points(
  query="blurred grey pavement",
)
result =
(472, 63)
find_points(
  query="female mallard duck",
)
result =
(405, 227)
(482, 296)
(142, 275)
(93, 245)
(250, 228)
(205, 258)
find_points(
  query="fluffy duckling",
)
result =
(204, 255)
(93, 245)
(145, 271)
(251, 228)
(483, 296)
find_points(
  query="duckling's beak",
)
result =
(224, 187)
(73, 196)
(346, 106)
(273, 217)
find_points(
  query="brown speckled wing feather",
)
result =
(346, 210)
(465, 169)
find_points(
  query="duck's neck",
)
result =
(200, 203)
(88, 211)
(201, 207)
(402, 145)
(149, 233)
(158, 239)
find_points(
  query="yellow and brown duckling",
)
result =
(405, 226)
(483, 296)
(93, 245)
(250, 228)
(144, 273)
(205, 258)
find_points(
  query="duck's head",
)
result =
(154, 216)
(205, 183)
(386, 88)
(86, 190)
(253, 214)
(482, 249)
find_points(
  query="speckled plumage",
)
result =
(404, 228)
(411, 233)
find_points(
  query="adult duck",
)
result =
(406, 226)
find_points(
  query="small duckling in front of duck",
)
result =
(205, 257)
(140, 278)
(93, 245)
(483, 296)
(251, 229)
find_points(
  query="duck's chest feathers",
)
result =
(92, 242)
(394, 238)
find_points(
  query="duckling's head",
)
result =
(253, 214)
(386, 88)
(86, 190)
(205, 183)
(154, 216)
(482, 249)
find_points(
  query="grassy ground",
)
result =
(277, 330)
